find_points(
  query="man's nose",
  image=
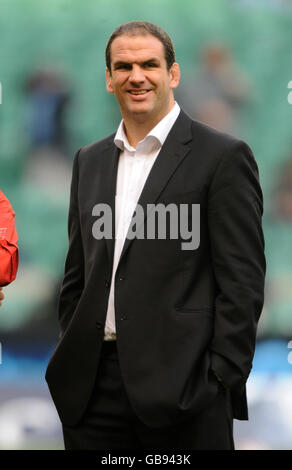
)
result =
(137, 74)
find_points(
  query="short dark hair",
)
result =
(134, 28)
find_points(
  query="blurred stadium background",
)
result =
(235, 58)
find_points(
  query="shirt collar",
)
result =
(159, 132)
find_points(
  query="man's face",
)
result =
(139, 78)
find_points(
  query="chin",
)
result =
(139, 110)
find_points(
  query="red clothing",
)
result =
(8, 243)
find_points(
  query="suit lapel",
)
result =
(169, 158)
(108, 190)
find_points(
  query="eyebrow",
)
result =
(145, 62)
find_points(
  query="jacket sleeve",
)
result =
(237, 248)
(8, 242)
(73, 281)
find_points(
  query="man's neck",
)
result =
(137, 131)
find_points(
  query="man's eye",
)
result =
(125, 67)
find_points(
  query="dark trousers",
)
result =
(110, 422)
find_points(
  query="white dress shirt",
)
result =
(133, 169)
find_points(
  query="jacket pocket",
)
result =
(180, 198)
(205, 310)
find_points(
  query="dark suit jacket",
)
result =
(179, 313)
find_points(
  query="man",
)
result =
(157, 338)
(8, 244)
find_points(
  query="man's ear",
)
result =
(174, 75)
(108, 79)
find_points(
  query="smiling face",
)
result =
(139, 78)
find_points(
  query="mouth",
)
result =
(139, 93)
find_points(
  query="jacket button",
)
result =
(123, 317)
(99, 324)
(107, 284)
